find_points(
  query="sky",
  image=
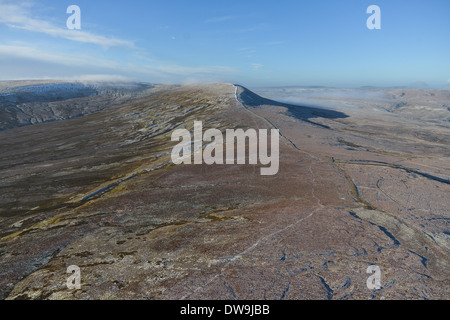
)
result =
(250, 42)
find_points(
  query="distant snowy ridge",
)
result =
(36, 103)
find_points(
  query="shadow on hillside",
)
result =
(251, 99)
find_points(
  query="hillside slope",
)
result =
(100, 192)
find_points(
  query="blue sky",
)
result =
(255, 43)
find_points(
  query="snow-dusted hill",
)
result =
(36, 103)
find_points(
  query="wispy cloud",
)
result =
(253, 28)
(274, 43)
(247, 53)
(257, 66)
(18, 16)
(44, 61)
(20, 59)
(98, 78)
(220, 19)
(182, 70)
(25, 52)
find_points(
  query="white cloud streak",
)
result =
(220, 19)
(18, 16)
(256, 66)
(24, 52)
(159, 72)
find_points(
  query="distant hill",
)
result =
(31, 102)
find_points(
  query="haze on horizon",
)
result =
(256, 43)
